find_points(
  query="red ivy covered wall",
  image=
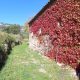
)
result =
(61, 21)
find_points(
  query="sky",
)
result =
(19, 11)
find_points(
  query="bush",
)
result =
(14, 29)
(7, 41)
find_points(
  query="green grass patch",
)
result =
(26, 64)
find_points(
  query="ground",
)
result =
(26, 64)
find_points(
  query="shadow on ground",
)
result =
(78, 71)
(4, 54)
(4, 57)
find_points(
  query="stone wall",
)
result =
(61, 23)
(40, 43)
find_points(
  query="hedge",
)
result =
(7, 41)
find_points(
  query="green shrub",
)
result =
(7, 41)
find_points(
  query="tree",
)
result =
(14, 29)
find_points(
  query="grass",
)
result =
(26, 64)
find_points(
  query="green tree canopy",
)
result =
(14, 29)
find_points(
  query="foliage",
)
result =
(61, 21)
(15, 29)
(25, 33)
(6, 37)
(7, 41)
